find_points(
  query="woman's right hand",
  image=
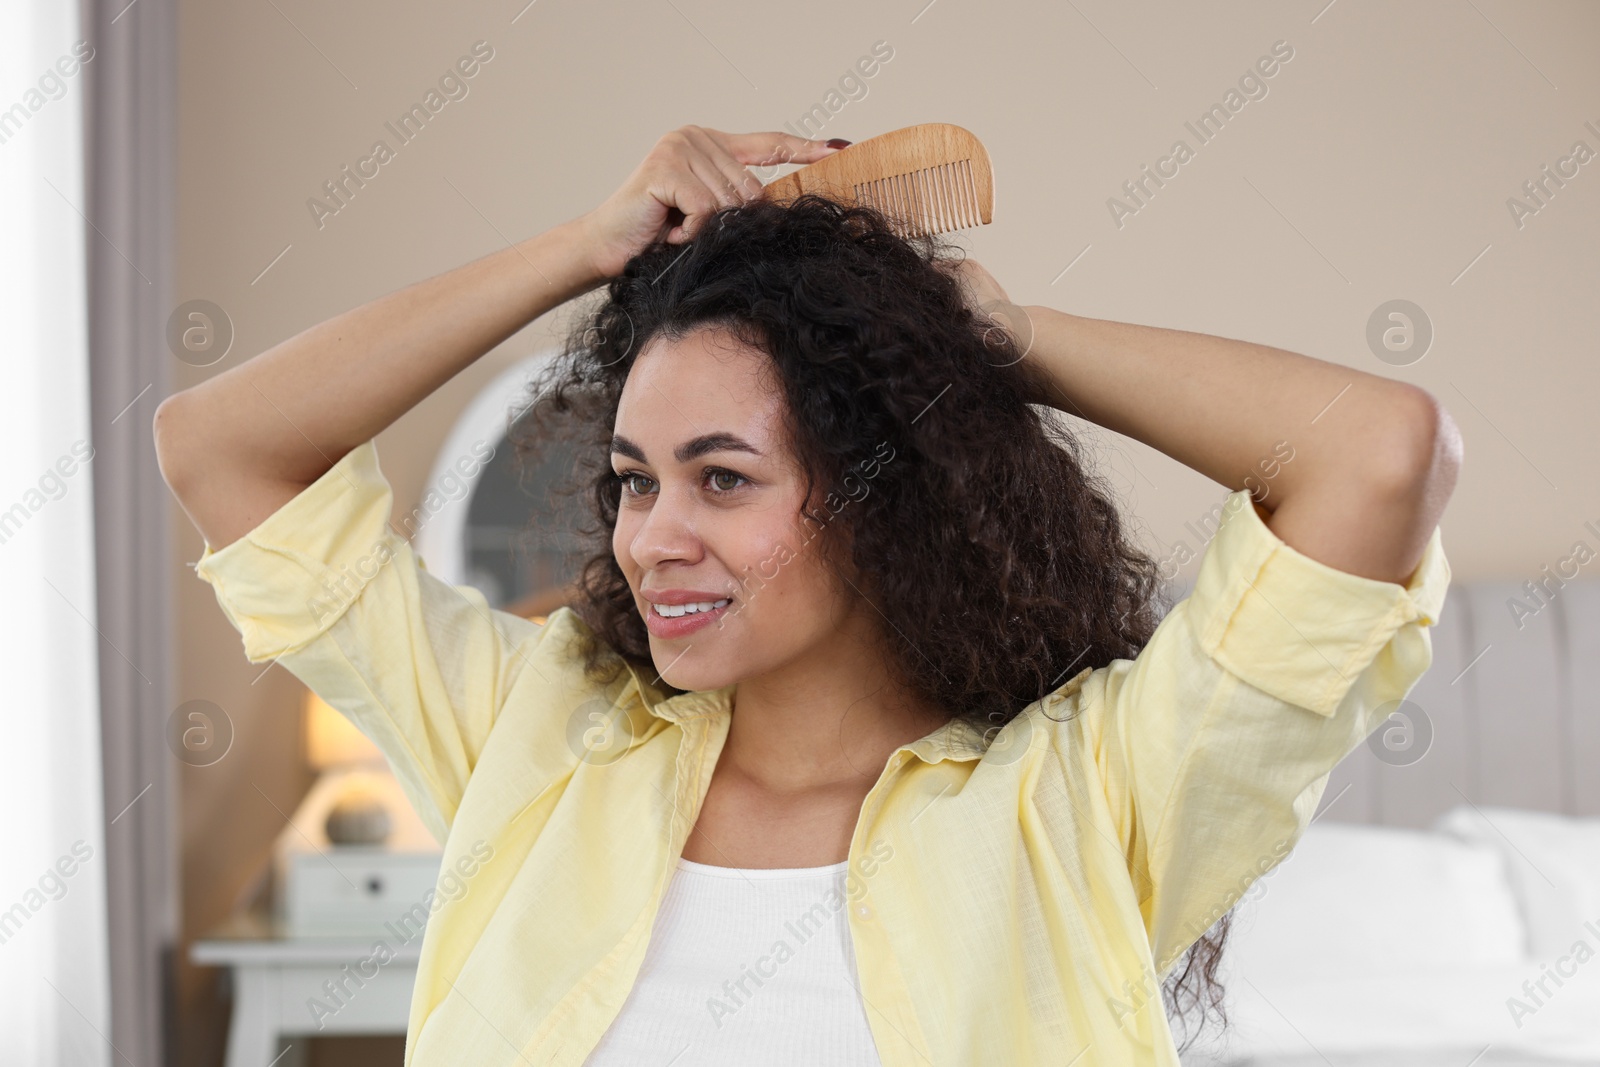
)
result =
(690, 173)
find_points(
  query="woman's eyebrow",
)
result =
(689, 450)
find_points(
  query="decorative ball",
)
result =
(359, 820)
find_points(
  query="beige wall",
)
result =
(1377, 166)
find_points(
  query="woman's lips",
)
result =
(683, 625)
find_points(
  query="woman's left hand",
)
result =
(1004, 321)
(983, 291)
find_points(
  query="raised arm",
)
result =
(238, 446)
(1375, 460)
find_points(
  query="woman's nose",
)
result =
(668, 532)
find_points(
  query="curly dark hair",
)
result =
(999, 561)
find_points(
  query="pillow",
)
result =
(1355, 900)
(1553, 863)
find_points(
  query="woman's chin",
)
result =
(680, 669)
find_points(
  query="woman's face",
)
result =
(710, 512)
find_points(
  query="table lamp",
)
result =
(360, 814)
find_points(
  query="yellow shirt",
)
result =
(1015, 903)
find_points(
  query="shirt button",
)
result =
(864, 911)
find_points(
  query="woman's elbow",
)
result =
(1422, 460)
(174, 432)
(1424, 456)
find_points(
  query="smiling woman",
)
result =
(864, 738)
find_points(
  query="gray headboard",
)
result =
(1512, 703)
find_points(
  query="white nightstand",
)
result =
(274, 978)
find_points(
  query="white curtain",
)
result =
(54, 995)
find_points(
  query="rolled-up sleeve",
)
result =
(1214, 744)
(329, 590)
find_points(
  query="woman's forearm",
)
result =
(236, 446)
(1357, 494)
(289, 413)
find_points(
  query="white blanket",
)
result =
(1414, 1012)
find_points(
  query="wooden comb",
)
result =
(927, 179)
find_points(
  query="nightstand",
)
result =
(278, 979)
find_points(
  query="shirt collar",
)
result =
(955, 740)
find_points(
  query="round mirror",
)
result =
(513, 540)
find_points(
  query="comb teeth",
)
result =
(934, 200)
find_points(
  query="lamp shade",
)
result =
(333, 740)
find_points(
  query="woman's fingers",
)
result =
(732, 153)
(719, 161)
(692, 171)
(772, 148)
(719, 170)
(696, 202)
(696, 186)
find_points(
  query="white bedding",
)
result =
(1444, 1057)
(1370, 1020)
(1372, 946)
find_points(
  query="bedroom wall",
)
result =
(1374, 164)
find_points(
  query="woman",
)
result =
(975, 805)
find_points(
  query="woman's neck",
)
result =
(827, 720)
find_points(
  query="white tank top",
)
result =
(745, 966)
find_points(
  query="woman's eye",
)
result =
(716, 474)
(629, 480)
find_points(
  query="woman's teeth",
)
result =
(672, 611)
